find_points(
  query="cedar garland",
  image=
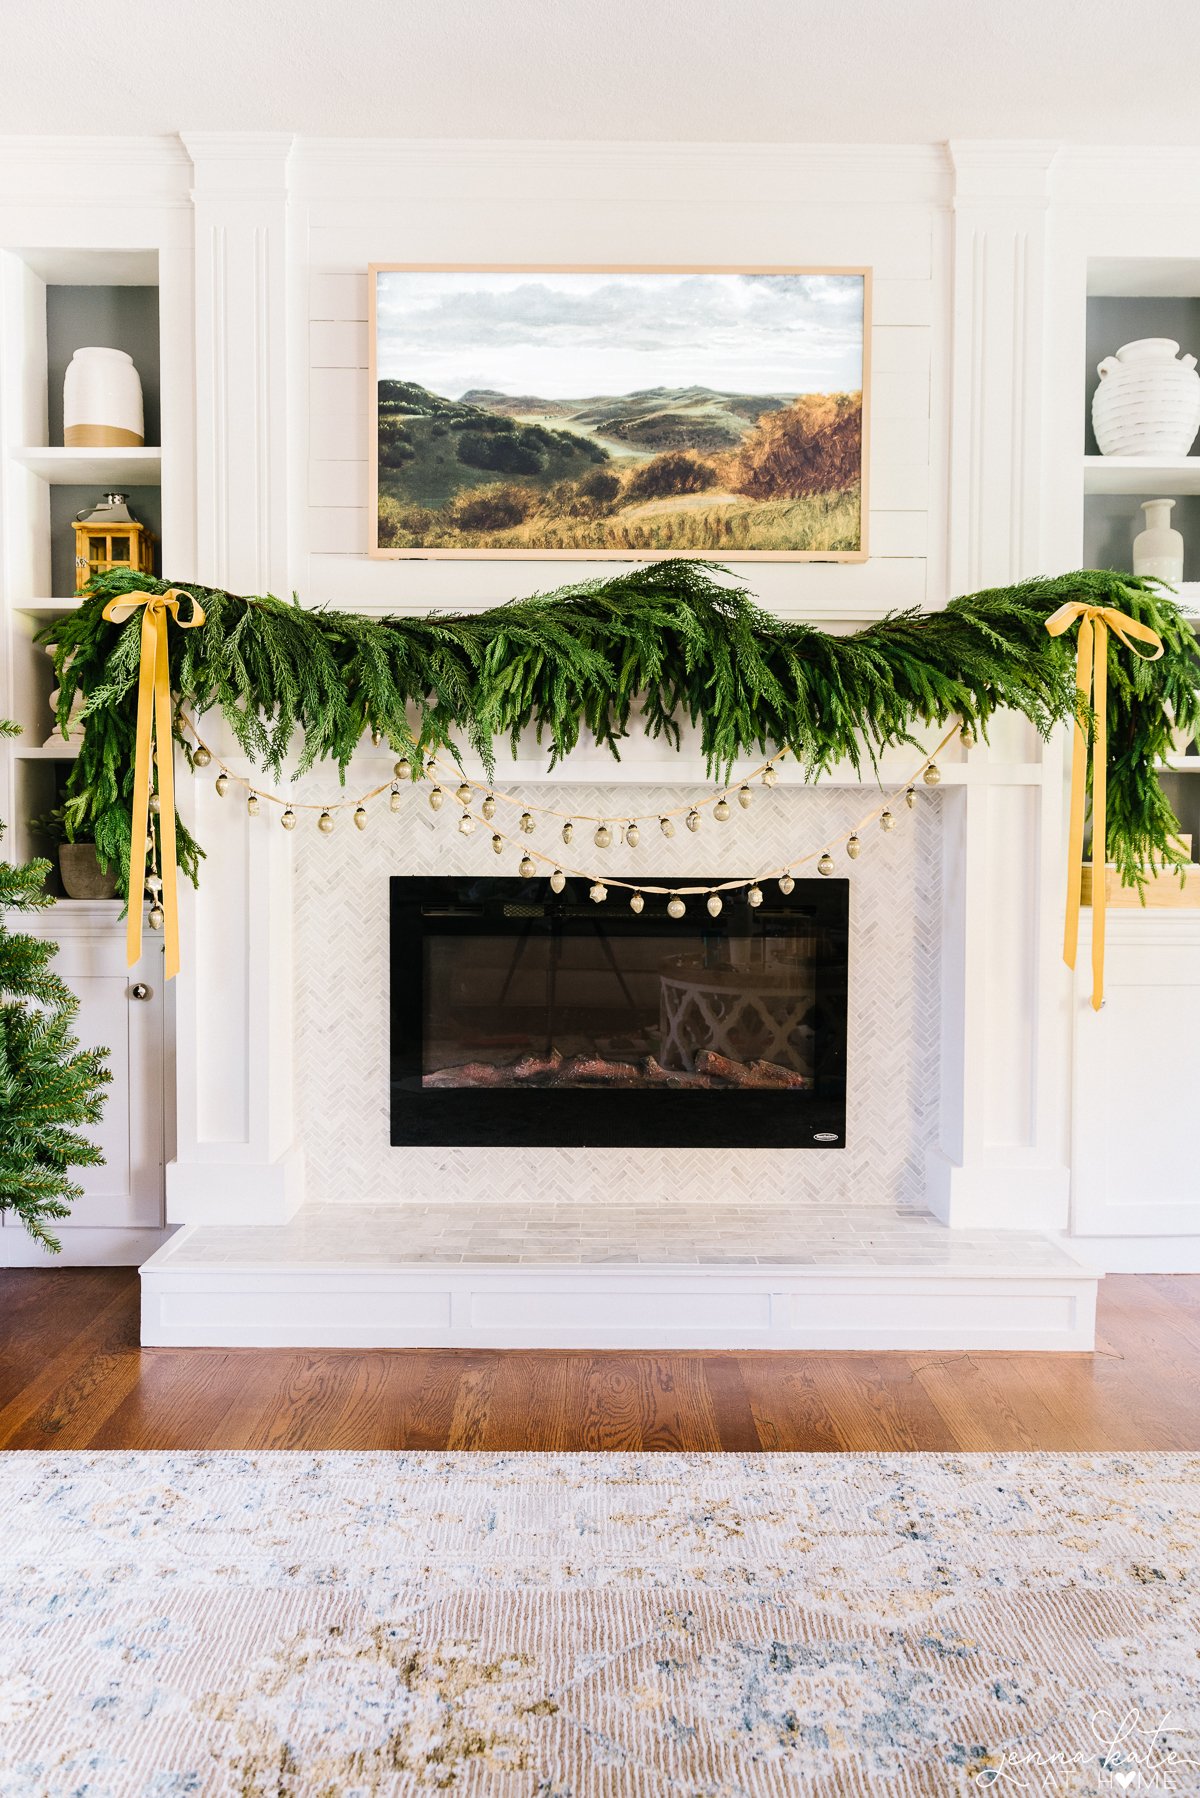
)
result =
(670, 638)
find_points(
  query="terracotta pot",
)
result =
(82, 874)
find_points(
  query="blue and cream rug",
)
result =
(598, 1626)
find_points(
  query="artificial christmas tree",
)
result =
(48, 1085)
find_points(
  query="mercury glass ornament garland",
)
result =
(466, 791)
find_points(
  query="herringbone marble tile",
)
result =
(341, 959)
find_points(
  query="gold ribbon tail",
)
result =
(1091, 683)
(153, 726)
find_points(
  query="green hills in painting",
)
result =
(660, 468)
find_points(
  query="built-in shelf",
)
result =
(104, 467)
(58, 751)
(45, 609)
(1134, 474)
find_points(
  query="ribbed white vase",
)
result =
(102, 401)
(1148, 402)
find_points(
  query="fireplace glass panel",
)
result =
(518, 1010)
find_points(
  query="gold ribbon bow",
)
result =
(1091, 678)
(154, 724)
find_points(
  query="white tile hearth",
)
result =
(341, 959)
(581, 1275)
(556, 1235)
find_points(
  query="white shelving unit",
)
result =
(1136, 476)
(101, 468)
(51, 302)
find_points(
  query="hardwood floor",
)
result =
(72, 1376)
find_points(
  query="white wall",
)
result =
(562, 204)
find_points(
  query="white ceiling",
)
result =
(789, 71)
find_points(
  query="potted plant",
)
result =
(78, 863)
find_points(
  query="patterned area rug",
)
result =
(598, 1626)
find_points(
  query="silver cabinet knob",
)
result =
(139, 990)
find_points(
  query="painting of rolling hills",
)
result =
(619, 413)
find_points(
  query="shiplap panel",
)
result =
(714, 231)
(820, 590)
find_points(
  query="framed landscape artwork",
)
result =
(619, 412)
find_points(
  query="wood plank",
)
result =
(74, 1376)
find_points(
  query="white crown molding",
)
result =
(239, 165)
(372, 167)
(987, 171)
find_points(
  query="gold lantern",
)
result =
(108, 536)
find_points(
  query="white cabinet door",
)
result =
(127, 1189)
(1136, 1151)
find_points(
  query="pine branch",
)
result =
(680, 641)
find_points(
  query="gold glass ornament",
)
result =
(403, 769)
(436, 799)
(202, 757)
(568, 831)
(932, 775)
(395, 799)
(910, 797)
(754, 897)
(498, 845)
(770, 775)
(667, 826)
(325, 823)
(714, 905)
(721, 810)
(488, 808)
(463, 793)
(252, 804)
(466, 824)
(603, 836)
(966, 737)
(528, 867)
(288, 819)
(636, 903)
(360, 817)
(675, 906)
(154, 917)
(155, 805)
(558, 881)
(886, 821)
(528, 823)
(222, 783)
(744, 796)
(598, 893)
(633, 835)
(693, 819)
(825, 865)
(853, 846)
(786, 884)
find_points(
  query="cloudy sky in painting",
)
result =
(574, 335)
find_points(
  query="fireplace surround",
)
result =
(528, 1018)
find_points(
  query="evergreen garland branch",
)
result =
(671, 638)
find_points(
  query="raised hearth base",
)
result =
(579, 1276)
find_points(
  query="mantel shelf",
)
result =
(1169, 475)
(104, 467)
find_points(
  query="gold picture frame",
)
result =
(735, 513)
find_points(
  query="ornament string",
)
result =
(1091, 681)
(154, 729)
(737, 882)
(926, 768)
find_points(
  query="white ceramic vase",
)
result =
(102, 401)
(1157, 549)
(1148, 402)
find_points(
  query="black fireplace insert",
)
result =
(524, 1017)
